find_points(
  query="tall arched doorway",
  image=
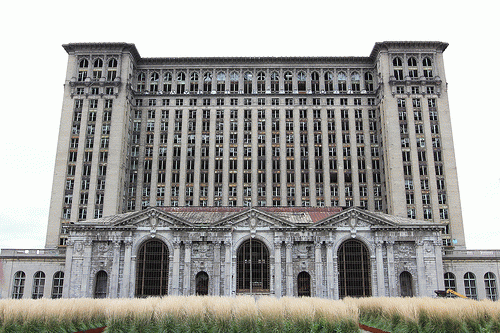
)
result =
(152, 269)
(252, 269)
(101, 285)
(202, 283)
(406, 284)
(354, 269)
(304, 284)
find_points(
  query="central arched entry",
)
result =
(252, 269)
(406, 284)
(304, 284)
(152, 269)
(202, 283)
(354, 269)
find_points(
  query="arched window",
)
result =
(141, 82)
(261, 82)
(181, 83)
(288, 82)
(470, 285)
(234, 82)
(301, 82)
(98, 63)
(221, 82)
(304, 284)
(207, 82)
(252, 268)
(153, 84)
(152, 269)
(84, 63)
(193, 86)
(427, 64)
(328, 81)
(450, 281)
(247, 83)
(201, 283)
(355, 81)
(368, 81)
(314, 82)
(412, 68)
(112, 64)
(342, 85)
(57, 285)
(490, 284)
(167, 82)
(406, 284)
(101, 285)
(275, 82)
(38, 285)
(18, 287)
(354, 269)
(397, 64)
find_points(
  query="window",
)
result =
(252, 268)
(397, 64)
(152, 263)
(57, 285)
(354, 269)
(18, 287)
(490, 284)
(38, 285)
(470, 285)
(449, 281)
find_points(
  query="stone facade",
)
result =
(212, 161)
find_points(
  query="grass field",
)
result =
(245, 314)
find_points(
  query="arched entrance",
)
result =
(101, 285)
(304, 284)
(406, 284)
(252, 269)
(152, 269)
(202, 283)
(354, 269)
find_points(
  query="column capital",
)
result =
(188, 244)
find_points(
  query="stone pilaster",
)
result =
(379, 257)
(115, 269)
(390, 268)
(277, 268)
(175, 267)
(289, 268)
(216, 279)
(187, 267)
(318, 267)
(125, 290)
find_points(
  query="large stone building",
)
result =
(326, 176)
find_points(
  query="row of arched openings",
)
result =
(469, 279)
(253, 270)
(38, 286)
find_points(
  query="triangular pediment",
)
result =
(253, 218)
(152, 218)
(353, 218)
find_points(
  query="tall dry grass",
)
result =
(246, 314)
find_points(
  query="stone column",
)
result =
(115, 270)
(439, 264)
(227, 267)
(125, 290)
(380, 268)
(390, 268)
(187, 267)
(175, 267)
(67, 268)
(86, 290)
(330, 276)
(289, 268)
(420, 268)
(216, 279)
(278, 280)
(318, 269)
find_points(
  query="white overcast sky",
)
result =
(34, 66)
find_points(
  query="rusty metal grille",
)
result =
(101, 285)
(202, 283)
(304, 284)
(152, 269)
(252, 271)
(354, 269)
(406, 284)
